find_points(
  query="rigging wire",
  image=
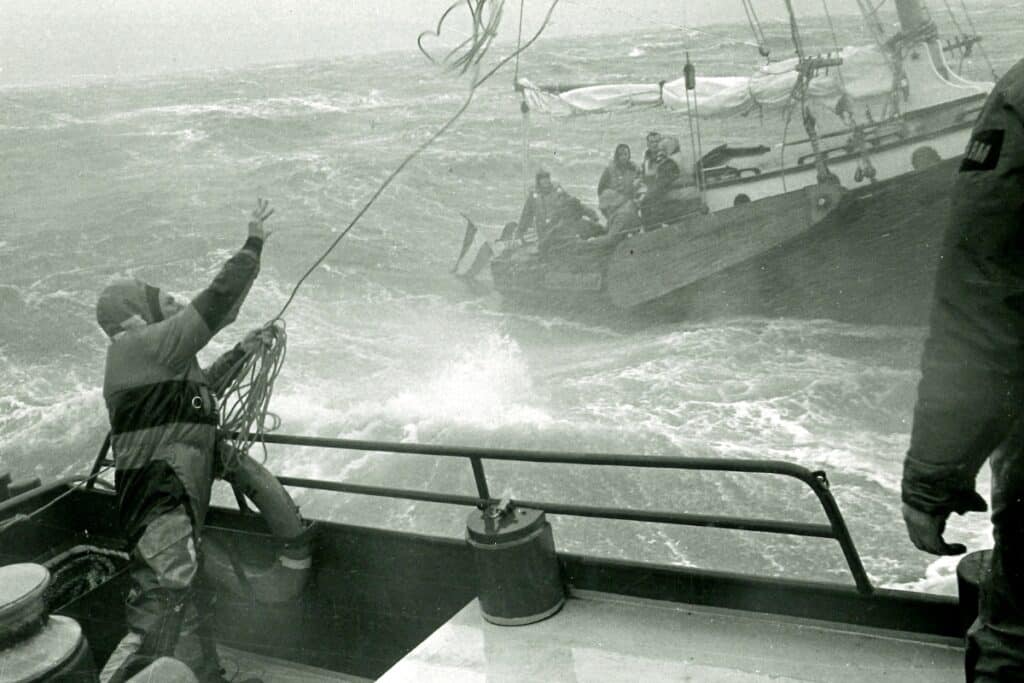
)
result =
(524, 106)
(981, 48)
(756, 29)
(798, 86)
(865, 169)
(952, 17)
(27, 516)
(835, 42)
(961, 34)
(804, 75)
(519, 41)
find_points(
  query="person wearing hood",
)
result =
(970, 400)
(542, 206)
(163, 417)
(649, 167)
(673, 193)
(548, 207)
(620, 175)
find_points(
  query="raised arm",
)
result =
(176, 340)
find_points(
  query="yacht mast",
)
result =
(916, 26)
(912, 15)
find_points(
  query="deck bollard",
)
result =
(519, 578)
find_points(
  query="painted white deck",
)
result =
(600, 637)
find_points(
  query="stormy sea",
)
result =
(153, 177)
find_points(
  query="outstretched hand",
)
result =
(261, 213)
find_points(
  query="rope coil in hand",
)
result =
(245, 395)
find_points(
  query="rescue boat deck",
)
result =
(242, 664)
(606, 637)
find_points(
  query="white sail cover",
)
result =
(865, 75)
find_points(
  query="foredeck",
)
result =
(604, 637)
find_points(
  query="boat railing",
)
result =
(815, 479)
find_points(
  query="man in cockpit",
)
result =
(164, 419)
(548, 207)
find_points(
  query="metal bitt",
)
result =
(519, 578)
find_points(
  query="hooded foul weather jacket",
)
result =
(163, 414)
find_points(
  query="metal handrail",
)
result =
(816, 480)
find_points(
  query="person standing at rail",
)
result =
(970, 403)
(163, 419)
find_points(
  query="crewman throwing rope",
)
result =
(164, 430)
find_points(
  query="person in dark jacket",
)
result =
(672, 194)
(971, 393)
(541, 207)
(548, 207)
(163, 419)
(620, 175)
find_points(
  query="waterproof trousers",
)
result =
(161, 613)
(995, 642)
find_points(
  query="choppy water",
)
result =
(153, 178)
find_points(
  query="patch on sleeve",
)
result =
(983, 151)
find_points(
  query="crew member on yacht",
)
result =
(970, 401)
(673, 193)
(542, 206)
(620, 175)
(163, 419)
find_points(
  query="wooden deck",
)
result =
(602, 637)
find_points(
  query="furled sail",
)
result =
(866, 76)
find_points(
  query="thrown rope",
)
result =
(246, 397)
(245, 394)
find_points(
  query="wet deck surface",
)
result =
(240, 665)
(600, 637)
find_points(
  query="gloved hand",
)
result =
(257, 339)
(925, 528)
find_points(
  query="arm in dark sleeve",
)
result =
(972, 383)
(218, 304)
(224, 369)
(175, 341)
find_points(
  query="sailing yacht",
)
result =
(848, 228)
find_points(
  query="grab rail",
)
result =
(816, 480)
